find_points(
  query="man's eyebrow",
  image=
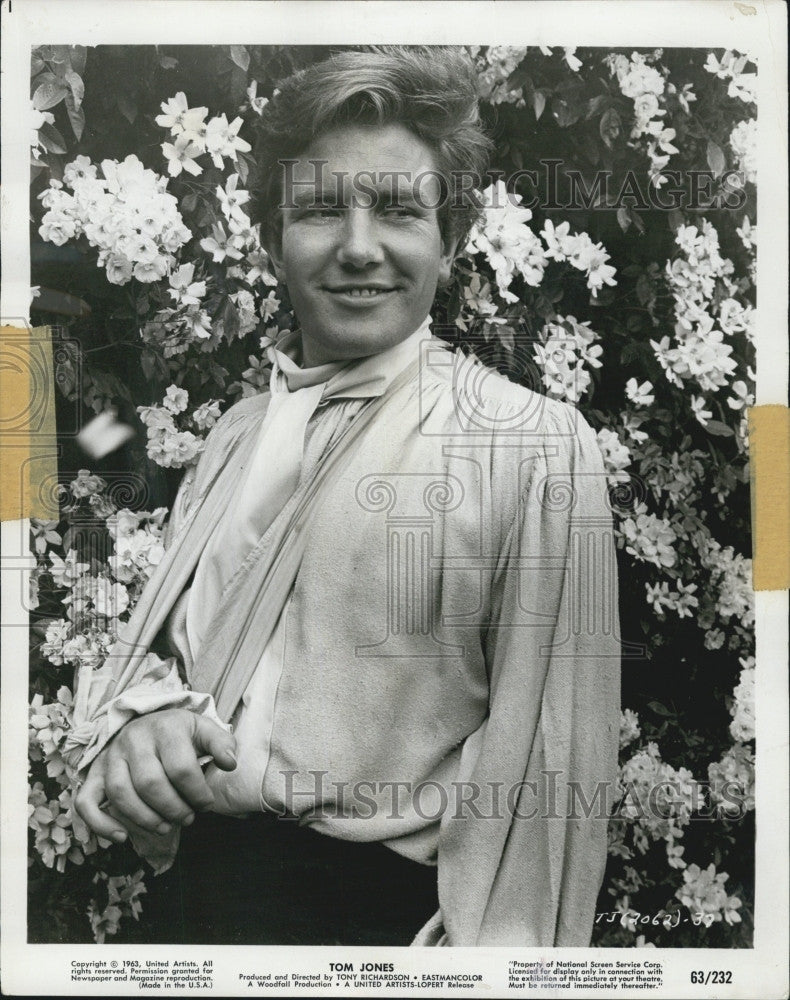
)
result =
(316, 196)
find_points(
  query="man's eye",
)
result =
(321, 212)
(397, 212)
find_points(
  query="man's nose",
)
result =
(360, 244)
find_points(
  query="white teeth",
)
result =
(364, 292)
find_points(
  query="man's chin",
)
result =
(350, 343)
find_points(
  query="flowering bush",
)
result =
(612, 267)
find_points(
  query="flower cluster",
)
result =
(60, 835)
(656, 798)
(743, 142)
(127, 215)
(731, 578)
(731, 68)
(169, 445)
(193, 137)
(509, 245)
(645, 85)
(123, 892)
(682, 600)
(511, 248)
(649, 538)
(703, 892)
(494, 65)
(137, 544)
(630, 729)
(616, 456)
(742, 709)
(700, 352)
(565, 347)
(732, 781)
(579, 251)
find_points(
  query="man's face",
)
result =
(361, 271)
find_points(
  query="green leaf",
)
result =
(154, 365)
(719, 429)
(596, 104)
(610, 126)
(716, 159)
(189, 202)
(74, 80)
(675, 219)
(60, 54)
(240, 56)
(78, 55)
(623, 218)
(76, 117)
(168, 62)
(538, 103)
(48, 94)
(243, 168)
(658, 708)
(565, 113)
(51, 139)
(127, 107)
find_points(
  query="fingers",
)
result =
(89, 799)
(210, 738)
(130, 808)
(149, 775)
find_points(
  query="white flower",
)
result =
(178, 117)
(508, 243)
(640, 395)
(682, 600)
(699, 411)
(181, 155)
(567, 347)
(256, 103)
(732, 783)
(231, 199)
(742, 710)
(79, 169)
(703, 892)
(743, 141)
(119, 269)
(649, 538)
(629, 727)
(741, 397)
(183, 289)
(206, 415)
(222, 139)
(176, 399)
(220, 245)
(616, 456)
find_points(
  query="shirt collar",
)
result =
(358, 379)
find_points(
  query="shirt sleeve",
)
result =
(161, 684)
(545, 758)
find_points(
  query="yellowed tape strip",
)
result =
(28, 442)
(769, 448)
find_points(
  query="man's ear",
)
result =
(272, 243)
(446, 260)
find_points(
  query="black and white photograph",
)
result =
(391, 600)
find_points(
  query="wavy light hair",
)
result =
(431, 90)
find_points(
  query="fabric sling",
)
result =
(228, 658)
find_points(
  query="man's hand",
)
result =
(149, 774)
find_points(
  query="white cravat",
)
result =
(276, 464)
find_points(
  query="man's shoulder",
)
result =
(476, 390)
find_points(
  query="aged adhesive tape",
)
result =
(769, 449)
(28, 441)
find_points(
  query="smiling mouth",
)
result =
(361, 292)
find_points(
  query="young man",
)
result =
(391, 576)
